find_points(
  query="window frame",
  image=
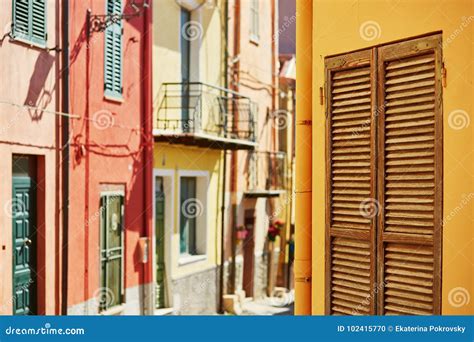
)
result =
(254, 21)
(202, 226)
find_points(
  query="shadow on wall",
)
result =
(38, 96)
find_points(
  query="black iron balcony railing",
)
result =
(194, 112)
(266, 173)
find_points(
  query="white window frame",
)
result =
(254, 21)
(202, 224)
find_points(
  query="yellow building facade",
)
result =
(193, 126)
(335, 39)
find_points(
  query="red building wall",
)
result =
(110, 146)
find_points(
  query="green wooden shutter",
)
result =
(29, 21)
(113, 53)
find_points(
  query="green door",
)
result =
(111, 251)
(160, 243)
(24, 243)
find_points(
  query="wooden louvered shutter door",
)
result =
(409, 175)
(350, 170)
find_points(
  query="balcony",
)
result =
(199, 114)
(266, 174)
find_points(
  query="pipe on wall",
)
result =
(225, 56)
(234, 154)
(147, 148)
(303, 181)
(65, 153)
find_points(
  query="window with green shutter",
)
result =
(113, 52)
(29, 21)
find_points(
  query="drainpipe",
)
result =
(303, 182)
(65, 153)
(147, 142)
(224, 169)
(271, 267)
(233, 165)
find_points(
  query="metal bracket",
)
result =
(100, 22)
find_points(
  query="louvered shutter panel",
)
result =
(113, 52)
(410, 179)
(38, 21)
(350, 169)
(21, 14)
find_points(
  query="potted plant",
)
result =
(275, 229)
(242, 232)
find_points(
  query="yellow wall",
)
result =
(337, 29)
(177, 158)
(205, 40)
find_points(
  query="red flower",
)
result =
(273, 232)
(279, 222)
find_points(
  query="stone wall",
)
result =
(196, 294)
